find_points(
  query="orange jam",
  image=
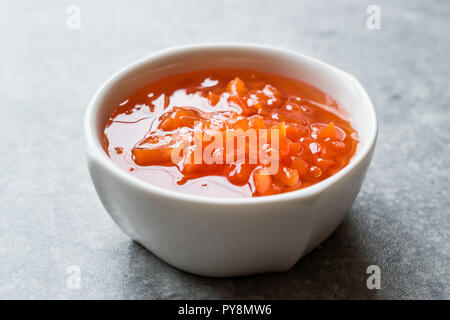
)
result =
(230, 133)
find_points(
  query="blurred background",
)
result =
(52, 220)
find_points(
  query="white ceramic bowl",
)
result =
(228, 237)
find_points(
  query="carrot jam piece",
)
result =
(230, 133)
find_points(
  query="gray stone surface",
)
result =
(50, 216)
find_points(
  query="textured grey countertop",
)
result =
(51, 218)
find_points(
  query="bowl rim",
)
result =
(95, 150)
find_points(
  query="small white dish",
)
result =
(229, 237)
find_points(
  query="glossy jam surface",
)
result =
(155, 133)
